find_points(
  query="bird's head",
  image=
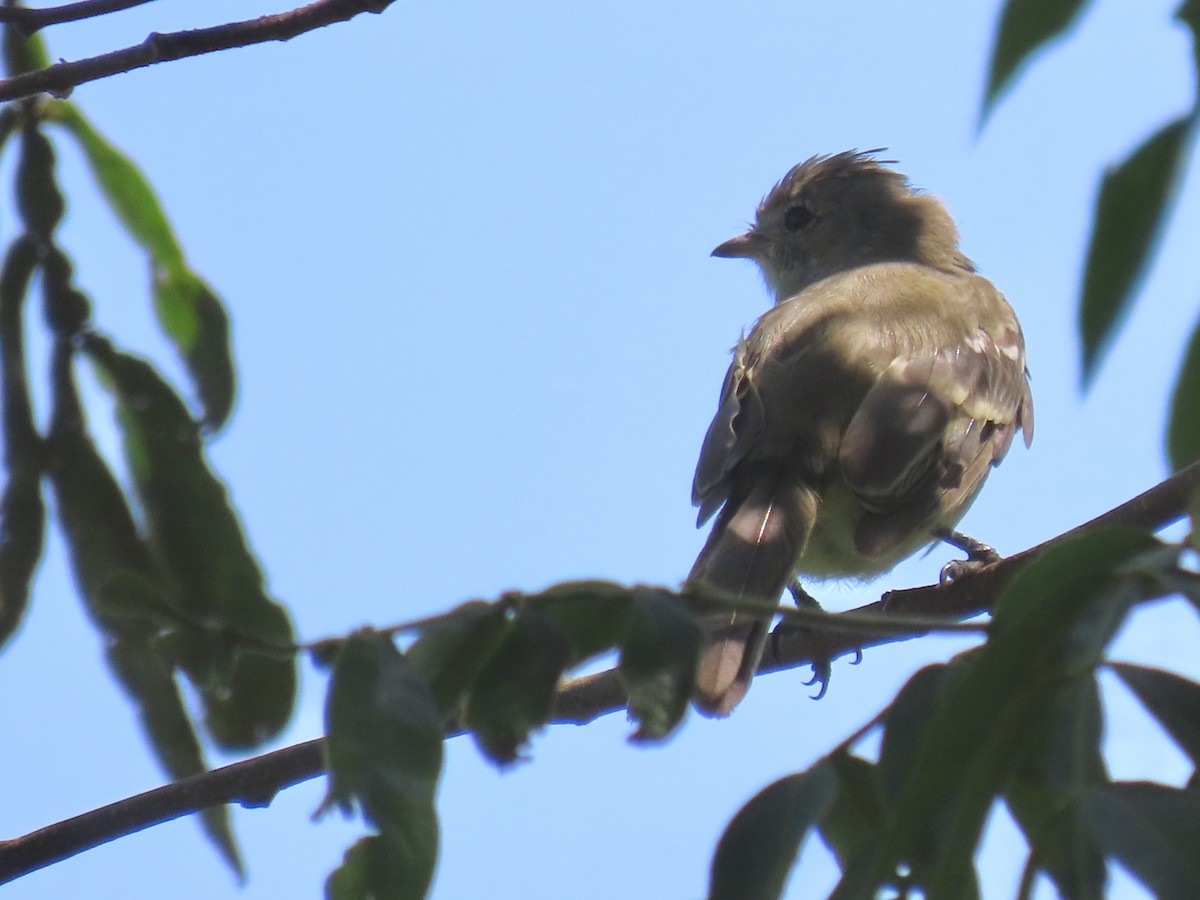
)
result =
(833, 213)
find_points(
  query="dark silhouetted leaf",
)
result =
(1153, 830)
(592, 614)
(451, 652)
(123, 590)
(67, 309)
(658, 662)
(855, 818)
(514, 692)
(1047, 792)
(383, 747)
(374, 869)
(1173, 700)
(1132, 207)
(1025, 27)
(760, 845)
(248, 689)
(1189, 15)
(904, 725)
(188, 310)
(23, 54)
(22, 512)
(998, 707)
(39, 200)
(1183, 430)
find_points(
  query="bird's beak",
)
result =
(744, 246)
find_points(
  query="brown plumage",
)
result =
(863, 411)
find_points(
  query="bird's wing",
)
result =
(940, 415)
(735, 429)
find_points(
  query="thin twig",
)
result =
(59, 80)
(29, 21)
(255, 781)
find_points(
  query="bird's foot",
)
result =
(822, 661)
(978, 553)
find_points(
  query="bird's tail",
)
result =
(751, 554)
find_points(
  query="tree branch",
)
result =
(28, 21)
(255, 782)
(59, 80)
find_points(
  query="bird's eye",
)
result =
(798, 217)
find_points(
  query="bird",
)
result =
(862, 413)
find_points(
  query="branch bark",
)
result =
(28, 20)
(59, 80)
(255, 782)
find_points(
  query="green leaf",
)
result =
(658, 662)
(383, 748)
(1047, 792)
(905, 723)
(189, 312)
(22, 512)
(239, 653)
(1173, 700)
(39, 200)
(23, 54)
(593, 615)
(1025, 27)
(1132, 207)
(852, 824)
(761, 844)
(1050, 627)
(1154, 831)
(123, 590)
(373, 869)
(150, 683)
(1183, 430)
(514, 692)
(451, 652)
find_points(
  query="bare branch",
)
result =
(256, 781)
(28, 21)
(59, 80)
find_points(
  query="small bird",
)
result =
(861, 415)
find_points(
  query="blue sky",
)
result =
(480, 337)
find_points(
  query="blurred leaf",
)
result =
(22, 512)
(121, 586)
(151, 685)
(373, 869)
(854, 819)
(1025, 27)
(66, 309)
(451, 652)
(383, 747)
(592, 614)
(514, 692)
(905, 722)
(247, 689)
(658, 662)
(1132, 207)
(1183, 430)
(1154, 832)
(39, 200)
(760, 846)
(188, 310)
(194, 317)
(1045, 795)
(1189, 14)
(1173, 700)
(1050, 627)
(23, 54)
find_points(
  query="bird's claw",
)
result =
(978, 553)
